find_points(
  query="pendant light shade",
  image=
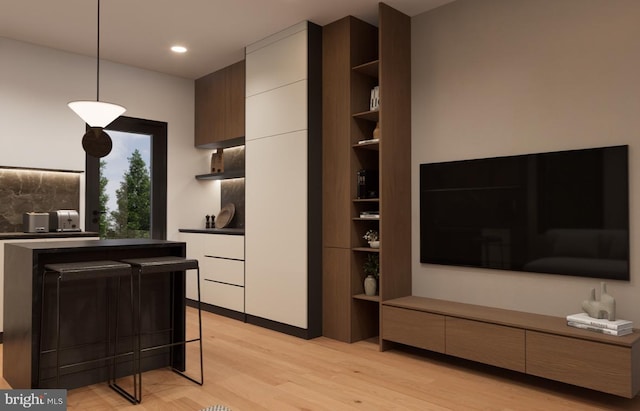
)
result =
(96, 113)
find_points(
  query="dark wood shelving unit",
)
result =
(354, 53)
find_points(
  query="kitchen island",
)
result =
(83, 329)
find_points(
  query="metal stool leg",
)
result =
(114, 355)
(172, 344)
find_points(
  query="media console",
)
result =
(533, 344)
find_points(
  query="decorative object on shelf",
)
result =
(225, 215)
(371, 268)
(372, 238)
(604, 326)
(208, 224)
(370, 285)
(217, 161)
(374, 104)
(376, 131)
(97, 114)
(367, 184)
(372, 215)
(603, 308)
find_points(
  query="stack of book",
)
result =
(370, 214)
(604, 326)
(374, 103)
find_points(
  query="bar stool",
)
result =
(91, 271)
(160, 265)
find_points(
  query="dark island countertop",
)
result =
(228, 231)
(53, 234)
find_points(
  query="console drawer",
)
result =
(486, 343)
(416, 328)
(602, 367)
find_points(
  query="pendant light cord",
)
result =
(98, 58)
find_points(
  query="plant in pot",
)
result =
(372, 238)
(371, 269)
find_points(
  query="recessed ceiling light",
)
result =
(179, 49)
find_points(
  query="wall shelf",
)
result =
(374, 298)
(366, 249)
(370, 115)
(370, 68)
(221, 176)
(358, 50)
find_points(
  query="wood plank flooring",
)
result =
(248, 368)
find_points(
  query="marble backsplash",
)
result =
(25, 190)
(232, 191)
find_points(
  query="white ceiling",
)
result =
(139, 32)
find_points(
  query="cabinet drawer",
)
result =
(486, 343)
(415, 328)
(222, 270)
(590, 364)
(219, 245)
(223, 295)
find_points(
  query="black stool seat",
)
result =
(89, 269)
(162, 264)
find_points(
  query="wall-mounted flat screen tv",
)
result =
(562, 212)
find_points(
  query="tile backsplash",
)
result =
(25, 190)
(232, 191)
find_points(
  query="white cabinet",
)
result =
(221, 261)
(278, 111)
(277, 60)
(277, 228)
(282, 212)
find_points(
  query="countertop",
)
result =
(228, 231)
(53, 234)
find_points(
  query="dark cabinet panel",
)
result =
(220, 107)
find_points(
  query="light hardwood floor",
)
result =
(248, 368)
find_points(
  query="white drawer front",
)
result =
(222, 270)
(229, 246)
(223, 295)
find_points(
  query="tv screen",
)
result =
(563, 212)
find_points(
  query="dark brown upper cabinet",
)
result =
(220, 107)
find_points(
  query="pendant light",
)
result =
(97, 114)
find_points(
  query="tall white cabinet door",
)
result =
(276, 228)
(277, 60)
(279, 111)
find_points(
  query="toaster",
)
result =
(33, 222)
(64, 220)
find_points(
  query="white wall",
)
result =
(504, 77)
(37, 129)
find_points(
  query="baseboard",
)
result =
(225, 312)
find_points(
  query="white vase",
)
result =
(374, 244)
(370, 285)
